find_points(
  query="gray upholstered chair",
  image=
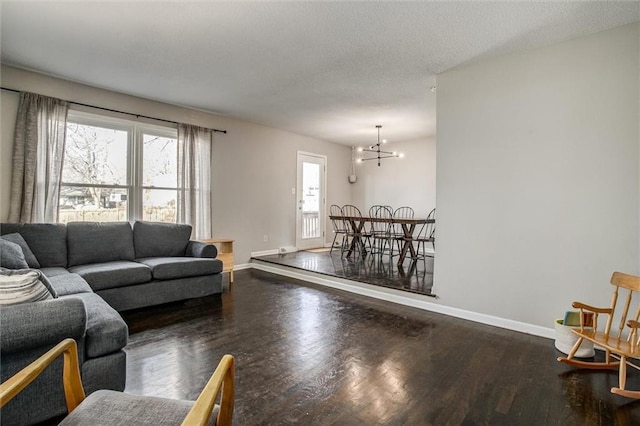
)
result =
(106, 407)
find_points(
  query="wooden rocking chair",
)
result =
(620, 344)
(118, 408)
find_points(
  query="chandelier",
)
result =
(379, 154)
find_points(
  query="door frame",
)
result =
(322, 220)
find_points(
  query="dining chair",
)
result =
(398, 234)
(427, 234)
(355, 229)
(106, 407)
(340, 227)
(380, 228)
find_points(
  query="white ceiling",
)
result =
(330, 70)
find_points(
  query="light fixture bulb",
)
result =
(359, 149)
(395, 154)
(359, 160)
(384, 141)
(401, 155)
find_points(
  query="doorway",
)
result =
(310, 200)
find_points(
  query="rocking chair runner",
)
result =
(622, 343)
(118, 408)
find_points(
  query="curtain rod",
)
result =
(120, 112)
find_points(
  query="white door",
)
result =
(310, 201)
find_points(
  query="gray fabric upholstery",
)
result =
(11, 255)
(95, 242)
(47, 241)
(67, 284)
(113, 274)
(31, 259)
(105, 372)
(106, 330)
(198, 249)
(42, 399)
(168, 268)
(108, 408)
(28, 331)
(54, 271)
(155, 239)
(39, 324)
(158, 292)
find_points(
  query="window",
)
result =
(116, 170)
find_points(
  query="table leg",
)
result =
(407, 243)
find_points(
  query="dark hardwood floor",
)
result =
(311, 355)
(415, 276)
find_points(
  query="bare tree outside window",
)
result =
(102, 182)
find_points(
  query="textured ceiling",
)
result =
(330, 70)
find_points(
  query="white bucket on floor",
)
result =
(565, 339)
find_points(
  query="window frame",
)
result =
(135, 147)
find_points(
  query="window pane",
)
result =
(92, 204)
(159, 205)
(95, 155)
(160, 161)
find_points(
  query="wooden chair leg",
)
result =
(622, 379)
(608, 365)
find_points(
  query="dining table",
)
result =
(408, 226)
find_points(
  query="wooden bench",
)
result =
(620, 343)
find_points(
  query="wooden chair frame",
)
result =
(620, 344)
(221, 383)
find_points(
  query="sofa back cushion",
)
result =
(97, 242)
(47, 241)
(156, 239)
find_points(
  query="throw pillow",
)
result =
(31, 258)
(11, 255)
(22, 286)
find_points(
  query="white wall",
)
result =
(408, 181)
(538, 177)
(254, 166)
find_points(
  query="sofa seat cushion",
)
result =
(119, 273)
(105, 407)
(106, 330)
(169, 268)
(67, 284)
(53, 271)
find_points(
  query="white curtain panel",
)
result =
(194, 179)
(38, 151)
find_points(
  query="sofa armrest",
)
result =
(31, 325)
(199, 249)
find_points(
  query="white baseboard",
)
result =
(242, 266)
(264, 253)
(402, 298)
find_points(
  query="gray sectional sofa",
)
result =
(96, 269)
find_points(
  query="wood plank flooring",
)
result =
(412, 276)
(311, 355)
